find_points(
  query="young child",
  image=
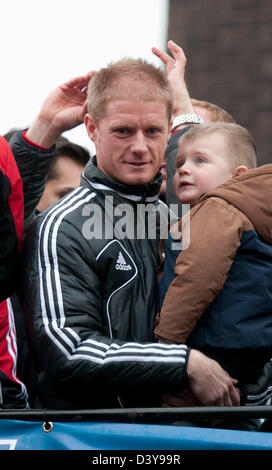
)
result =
(219, 298)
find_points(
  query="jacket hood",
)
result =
(251, 193)
(93, 175)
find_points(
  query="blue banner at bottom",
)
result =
(22, 435)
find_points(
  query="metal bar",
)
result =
(138, 414)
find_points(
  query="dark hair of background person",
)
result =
(69, 149)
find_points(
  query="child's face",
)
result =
(202, 164)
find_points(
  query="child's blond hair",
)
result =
(240, 143)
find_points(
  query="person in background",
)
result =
(211, 112)
(61, 174)
(12, 391)
(64, 176)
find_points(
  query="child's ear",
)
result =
(239, 170)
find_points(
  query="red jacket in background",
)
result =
(11, 220)
(12, 391)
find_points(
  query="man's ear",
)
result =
(90, 126)
(239, 170)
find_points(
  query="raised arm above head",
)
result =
(63, 109)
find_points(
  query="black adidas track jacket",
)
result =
(90, 298)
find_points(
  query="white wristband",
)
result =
(186, 118)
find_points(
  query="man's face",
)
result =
(202, 164)
(67, 177)
(131, 139)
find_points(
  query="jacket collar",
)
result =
(93, 177)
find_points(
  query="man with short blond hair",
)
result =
(124, 78)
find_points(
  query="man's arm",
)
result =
(34, 149)
(175, 66)
(34, 163)
(259, 392)
(170, 157)
(63, 109)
